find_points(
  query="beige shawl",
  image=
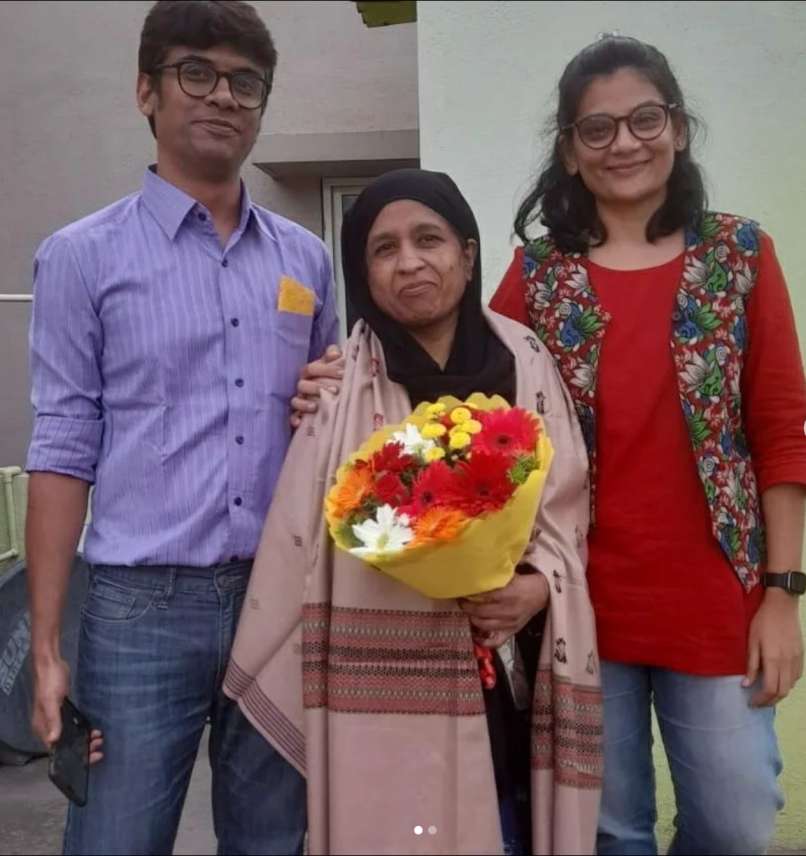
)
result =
(371, 690)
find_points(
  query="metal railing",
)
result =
(16, 298)
(7, 477)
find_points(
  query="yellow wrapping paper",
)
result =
(484, 554)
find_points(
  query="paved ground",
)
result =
(32, 812)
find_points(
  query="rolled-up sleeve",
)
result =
(326, 323)
(65, 346)
(773, 385)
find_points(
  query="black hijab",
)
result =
(478, 361)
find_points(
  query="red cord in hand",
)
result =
(484, 657)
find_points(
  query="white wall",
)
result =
(488, 73)
(488, 76)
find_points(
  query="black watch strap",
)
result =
(792, 581)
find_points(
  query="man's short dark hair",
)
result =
(205, 24)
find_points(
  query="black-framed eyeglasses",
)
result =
(199, 79)
(646, 122)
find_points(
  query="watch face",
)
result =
(797, 583)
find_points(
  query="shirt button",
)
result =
(201, 216)
(239, 381)
(239, 440)
(238, 500)
(225, 263)
(234, 321)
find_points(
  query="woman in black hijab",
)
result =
(370, 688)
(477, 361)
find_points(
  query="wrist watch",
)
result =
(792, 581)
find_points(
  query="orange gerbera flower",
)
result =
(437, 524)
(351, 490)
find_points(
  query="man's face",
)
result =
(212, 133)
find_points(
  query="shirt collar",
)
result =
(170, 205)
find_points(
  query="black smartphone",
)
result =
(70, 756)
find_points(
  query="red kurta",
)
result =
(663, 591)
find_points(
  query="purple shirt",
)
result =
(162, 369)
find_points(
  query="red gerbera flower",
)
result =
(432, 487)
(482, 483)
(390, 490)
(512, 432)
(390, 459)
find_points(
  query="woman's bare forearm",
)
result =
(783, 506)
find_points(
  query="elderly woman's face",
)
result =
(417, 267)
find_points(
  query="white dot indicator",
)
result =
(432, 830)
(418, 830)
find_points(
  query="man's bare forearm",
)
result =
(57, 507)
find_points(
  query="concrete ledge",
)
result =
(361, 153)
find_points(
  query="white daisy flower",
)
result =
(385, 535)
(412, 440)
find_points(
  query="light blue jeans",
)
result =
(723, 756)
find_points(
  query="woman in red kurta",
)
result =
(691, 447)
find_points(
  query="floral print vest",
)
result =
(708, 342)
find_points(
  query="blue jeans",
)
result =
(153, 649)
(723, 756)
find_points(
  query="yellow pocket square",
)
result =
(295, 297)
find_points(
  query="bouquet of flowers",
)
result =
(445, 501)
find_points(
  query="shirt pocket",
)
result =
(294, 329)
(291, 334)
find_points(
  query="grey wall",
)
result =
(72, 140)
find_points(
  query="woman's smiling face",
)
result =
(628, 170)
(417, 267)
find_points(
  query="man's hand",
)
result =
(775, 648)
(499, 614)
(51, 685)
(326, 372)
(52, 681)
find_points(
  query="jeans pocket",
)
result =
(108, 601)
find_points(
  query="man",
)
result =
(168, 333)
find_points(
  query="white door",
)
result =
(338, 194)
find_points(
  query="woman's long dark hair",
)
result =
(561, 202)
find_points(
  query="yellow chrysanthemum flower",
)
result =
(459, 439)
(435, 454)
(435, 410)
(472, 426)
(460, 414)
(432, 430)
